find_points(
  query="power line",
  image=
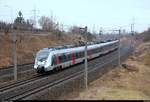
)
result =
(132, 26)
(35, 16)
(101, 30)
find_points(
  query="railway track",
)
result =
(8, 86)
(8, 71)
(64, 80)
(25, 88)
(7, 74)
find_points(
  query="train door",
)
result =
(89, 53)
(73, 58)
(58, 60)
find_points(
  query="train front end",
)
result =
(41, 61)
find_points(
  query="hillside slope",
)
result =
(130, 82)
(29, 44)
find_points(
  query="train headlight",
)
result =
(44, 62)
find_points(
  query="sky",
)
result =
(96, 14)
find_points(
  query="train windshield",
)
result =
(42, 55)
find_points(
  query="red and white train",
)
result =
(49, 59)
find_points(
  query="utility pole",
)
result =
(119, 36)
(119, 49)
(14, 41)
(85, 53)
(15, 56)
(132, 32)
(62, 27)
(132, 28)
(34, 15)
(51, 15)
(100, 32)
(94, 29)
(86, 69)
(132, 35)
(14, 53)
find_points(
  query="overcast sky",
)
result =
(108, 14)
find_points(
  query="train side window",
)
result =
(83, 54)
(68, 57)
(64, 58)
(78, 55)
(54, 60)
(94, 50)
(99, 49)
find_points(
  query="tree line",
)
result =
(47, 24)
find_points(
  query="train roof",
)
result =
(81, 48)
(72, 48)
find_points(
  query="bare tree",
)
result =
(5, 27)
(47, 24)
(21, 24)
(75, 30)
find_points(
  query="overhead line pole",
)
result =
(14, 41)
(15, 56)
(119, 49)
(85, 60)
(34, 13)
(86, 68)
(119, 62)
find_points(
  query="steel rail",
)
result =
(62, 81)
(44, 85)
